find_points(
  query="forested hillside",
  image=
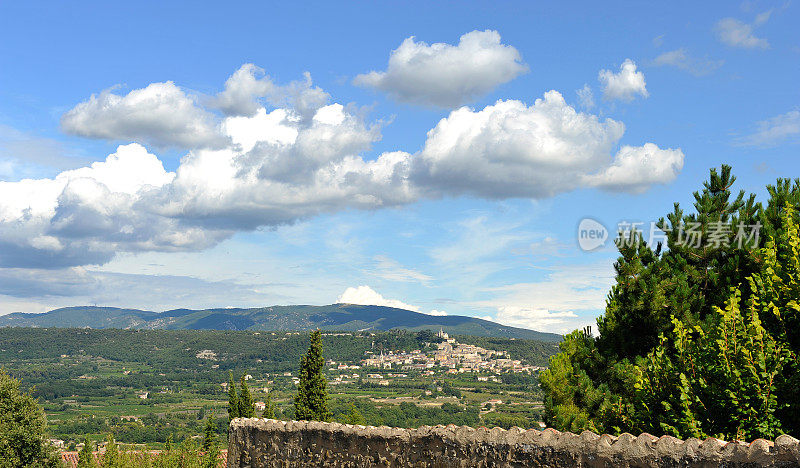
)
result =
(344, 317)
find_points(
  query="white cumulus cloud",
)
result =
(249, 84)
(510, 149)
(636, 168)
(160, 114)
(365, 295)
(445, 75)
(624, 85)
(285, 164)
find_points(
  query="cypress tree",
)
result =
(269, 408)
(311, 401)
(209, 434)
(233, 400)
(247, 408)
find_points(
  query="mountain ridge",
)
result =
(344, 317)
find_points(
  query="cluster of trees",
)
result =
(406, 414)
(311, 400)
(698, 339)
(23, 441)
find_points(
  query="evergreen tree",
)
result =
(233, 400)
(247, 407)
(85, 456)
(311, 401)
(269, 408)
(210, 457)
(22, 428)
(209, 435)
(168, 444)
(669, 308)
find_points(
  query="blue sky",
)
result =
(435, 155)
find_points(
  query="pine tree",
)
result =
(247, 407)
(168, 444)
(233, 400)
(311, 401)
(687, 277)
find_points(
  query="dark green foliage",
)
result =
(247, 407)
(209, 448)
(311, 401)
(22, 428)
(234, 408)
(269, 408)
(354, 416)
(405, 414)
(209, 435)
(696, 339)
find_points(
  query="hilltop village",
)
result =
(449, 357)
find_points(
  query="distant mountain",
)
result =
(345, 317)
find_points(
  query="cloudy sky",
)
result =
(436, 156)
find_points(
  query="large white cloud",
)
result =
(84, 216)
(624, 85)
(160, 114)
(445, 75)
(293, 162)
(510, 149)
(636, 168)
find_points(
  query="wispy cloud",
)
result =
(736, 33)
(392, 270)
(681, 59)
(569, 297)
(774, 131)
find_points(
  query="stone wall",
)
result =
(270, 443)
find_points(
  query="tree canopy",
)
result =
(700, 332)
(22, 428)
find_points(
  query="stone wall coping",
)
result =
(644, 447)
